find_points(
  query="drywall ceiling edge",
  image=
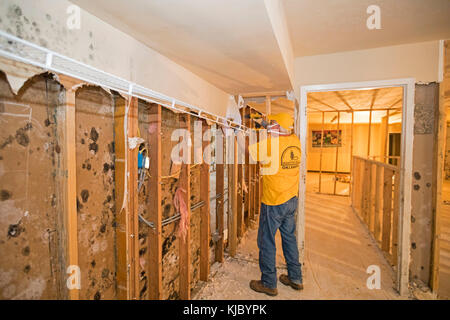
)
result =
(277, 17)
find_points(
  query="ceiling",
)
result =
(378, 100)
(331, 119)
(345, 101)
(231, 43)
(348, 100)
(277, 105)
(329, 26)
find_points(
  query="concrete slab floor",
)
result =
(338, 252)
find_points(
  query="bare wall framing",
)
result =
(405, 175)
(96, 207)
(70, 187)
(426, 104)
(32, 260)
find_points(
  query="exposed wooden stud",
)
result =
(351, 152)
(321, 153)
(257, 203)
(154, 208)
(395, 103)
(184, 241)
(363, 190)
(386, 139)
(374, 97)
(263, 94)
(127, 220)
(366, 191)
(251, 177)
(132, 205)
(253, 186)
(268, 105)
(247, 173)
(232, 215)
(373, 186)
(369, 134)
(240, 204)
(396, 110)
(340, 96)
(70, 183)
(337, 154)
(121, 215)
(240, 197)
(220, 200)
(205, 209)
(258, 189)
(372, 199)
(352, 182)
(387, 210)
(310, 96)
(377, 222)
(395, 214)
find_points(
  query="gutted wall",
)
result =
(33, 237)
(32, 259)
(98, 44)
(170, 237)
(144, 191)
(447, 154)
(96, 208)
(426, 103)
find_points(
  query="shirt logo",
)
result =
(290, 158)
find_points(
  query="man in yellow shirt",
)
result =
(279, 155)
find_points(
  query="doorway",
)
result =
(341, 169)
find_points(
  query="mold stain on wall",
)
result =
(195, 217)
(32, 209)
(95, 192)
(24, 23)
(32, 258)
(143, 202)
(170, 242)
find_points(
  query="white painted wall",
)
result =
(417, 60)
(99, 44)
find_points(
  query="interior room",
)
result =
(131, 165)
(365, 123)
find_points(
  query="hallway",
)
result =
(338, 252)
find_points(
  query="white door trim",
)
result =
(404, 225)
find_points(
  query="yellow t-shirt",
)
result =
(280, 170)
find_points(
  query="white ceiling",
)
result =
(328, 26)
(348, 100)
(278, 104)
(229, 43)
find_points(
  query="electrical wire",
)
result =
(177, 216)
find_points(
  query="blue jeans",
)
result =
(271, 219)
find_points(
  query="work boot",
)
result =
(258, 286)
(284, 279)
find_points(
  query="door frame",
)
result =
(404, 225)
